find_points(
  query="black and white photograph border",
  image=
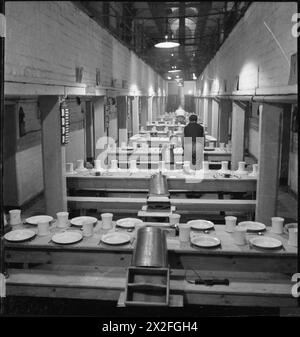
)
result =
(149, 162)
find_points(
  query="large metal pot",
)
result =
(151, 248)
(158, 185)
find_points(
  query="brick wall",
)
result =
(46, 40)
(251, 46)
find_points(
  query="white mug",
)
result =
(277, 225)
(69, 167)
(97, 163)
(43, 228)
(114, 164)
(230, 223)
(174, 219)
(239, 235)
(15, 217)
(62, 219)
(161, 166)
(132, 164)
(80, 164)
(184, 232)
(205, 166)
(106, 220)
(293, 237)
(242, 166)
(224, 165)
(87, 228)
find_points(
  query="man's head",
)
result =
(193, 118)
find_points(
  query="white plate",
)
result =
(34, 220)
(201, 224)
(80, 219)
(128, 222)
(19, 235)
(265, 242)
(67, 237)
(205, 241)
(252, 226)
(116, 238)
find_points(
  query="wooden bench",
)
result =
(183, 206)
(106, 284)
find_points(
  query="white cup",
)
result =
(222, 145)
(277, 225)
(69, 167)
(43, 228)
(293, 237)
(242, 166)
(205, 166)
(114, 164)
(184, 232)
(239, 235)
(224, 165)
(87, 228)
(97, 163)
(62, 219)
(106, 220)
(132, 164)
(80, 164)
(15, 217)
(174, 219)
(161, 165)
(230, 223)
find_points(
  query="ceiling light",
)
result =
(169, 77)
(174, 70)
(166, 44)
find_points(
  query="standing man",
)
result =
(193, 143)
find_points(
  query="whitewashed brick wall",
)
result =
(46, 40)
(251, 46)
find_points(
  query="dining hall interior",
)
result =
(110, 203)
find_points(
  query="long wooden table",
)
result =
(177, 182)
(92, 271)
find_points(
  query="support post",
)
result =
(225, 110)
(2, 229)
(214, 118)
(53, 153)
(135, 116)
(237, 138)
(122, 118)
(268, 160)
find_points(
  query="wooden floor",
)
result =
(59, 307)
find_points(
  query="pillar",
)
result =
(122, 119)
(225, 108)
(99, 125)
(214, 118)
(268, 160)
(209, 115)
(135, 115)
(144, 111)
(53, 153)
(150, 104)
(237, 137)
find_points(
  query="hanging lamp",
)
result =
(166, 43)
